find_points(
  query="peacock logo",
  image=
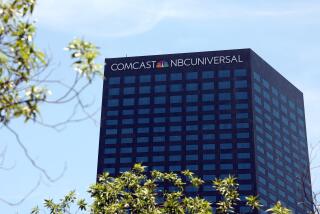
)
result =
(162, 64)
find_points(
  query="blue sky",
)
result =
(285, 33)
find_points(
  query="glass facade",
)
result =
(213, 119)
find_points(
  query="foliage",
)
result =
(21, 62)
(137, 191)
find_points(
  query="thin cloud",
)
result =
(111, 18)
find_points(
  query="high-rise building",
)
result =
(214, 113)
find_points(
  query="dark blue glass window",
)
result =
(208, 137)
(143, 130)
(126, 140)
(242, 125)
(145, 78)
(129, 79)
(241, 84)
(225, 136)
(192, 157)
(175, 128)
(111, 131)
(224, 85)
(175, 148)
(244, 166)
(128, 112)
(128, 90)
(143, 111)
(142, 159)
(144, 101)
(192, 75)
(243, 145)
(109, 160)
(175, 109)
(226, 156)
(241, 95)
(159, 129)
(192, 127)
(208, 117)
(125, 160)
(208, 108)
(192, 86)
(158, 139)
(226, 166)
(192, 98)
(160, 77)
(225, 126)
(191, 108)
(242, 106)
(209, 166)
(224, 73)
(207, 86)
(110, 141)
(240, 72)
(160, 88)
(192, 147)
(112, 122)
(159, 110)
(225, 107)
(143, 120)
(244, 155)
(113, 103)
(145, 90)
(207, 74)
(176, 76)
(175, 138)
(207, 97)
(158, 149)
(109, 150)
(114, 91)
(158, 158)
(128, 102)
(176, 87)
(126, 150)
(160, 100)
(208, 147)
(113, 113)
(209, 157)
(159, 119)
(127, 131)
(208, 126)
(175, 99)
(192, 137)
(192, 118)
(142, 149)
(242, 115)
(175, 158)
(175, 119)
(225, 116)
(114, 80)
(142, 139)
(224, 96)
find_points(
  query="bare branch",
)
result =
(10, 203)
(32, 161)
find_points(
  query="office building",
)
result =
(215, 113)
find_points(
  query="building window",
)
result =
(175, 99)
(145, 90)
(114, 80)
(145, 78)
(192, 86)
(224, 96)
(160, 100)
(207, 86)
(160, 77)
(175, 87)
(160, 88)
(226, 166)
(128, 102)
(207, 74)
(224, 73)
(241, 95)
(176, 76)
(192, 75)
(224, 85)
(129, 79)
(240, 72)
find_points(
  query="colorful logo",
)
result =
(162, 64)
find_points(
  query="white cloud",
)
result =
(119, 18)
